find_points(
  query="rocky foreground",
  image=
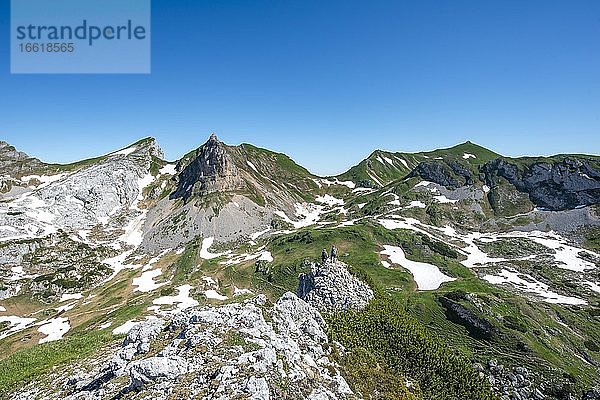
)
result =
(247, 350)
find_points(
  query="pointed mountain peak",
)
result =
(208, 169)
(8, 151)
(213, 140)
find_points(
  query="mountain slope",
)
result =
(465, 263)
(382, 167)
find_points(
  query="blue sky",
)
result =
(327, 82)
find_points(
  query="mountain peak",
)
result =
(213, 139)
(9, 151)
(14, 162)
(209, 170)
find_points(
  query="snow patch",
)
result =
(593, 285)
(205, 253)
(125, 152)
(348, 184)
(532, 286)
(70, 296)
(168, 169)
(265, 256)
(66, 307)
(214, 295)
(105, 325)
(422, 183)
(416, 204)
(240, 292)
(388, 160)
(466, 156)
(45, 180)
(307, 214)
(54, 329)
(183, 299)
(16, 324)
(372, 176)
(426, 276)
(256, 235)
(125, 328)
(403, 161)
(330, 200)
(145, 283)
(443, 199)
(251, 166)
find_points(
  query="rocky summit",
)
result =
(460, 274)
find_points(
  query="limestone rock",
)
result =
(239, 350)
(330, 286)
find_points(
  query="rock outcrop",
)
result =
(451, 174)
(329, 287)
(210, 170)
(477, 327)
(14, 162)
(516, 383)
(244, 350)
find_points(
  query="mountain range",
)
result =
(460, 274)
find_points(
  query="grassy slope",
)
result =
(30, 363)
(386, 173)
(359, 246)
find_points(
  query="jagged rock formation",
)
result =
(228, 192)
(14, 163)
(563, 185)
(210, 170)
(243, 350)
(330, 287)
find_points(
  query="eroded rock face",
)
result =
(80, 199)
(211, 170)
(560, 186)
(331, 287)
(242, 350)
(451, 174)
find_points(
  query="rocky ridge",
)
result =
(242, 350)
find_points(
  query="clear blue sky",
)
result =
(327, 82)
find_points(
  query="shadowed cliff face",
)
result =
(211, 170)
(450, 174)
(563, 185)
(558, 183)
